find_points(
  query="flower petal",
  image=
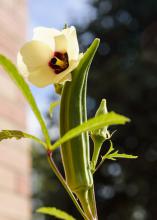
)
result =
(45, 75)
(66, 78)
(46, 35)
(61, 78)
(72, 47)
(21, 65)
(35, 54)
(42, 76)
(60, 43)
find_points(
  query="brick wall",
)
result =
(15, 161)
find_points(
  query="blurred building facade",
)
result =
(15, 160)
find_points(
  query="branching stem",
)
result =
(62, 180)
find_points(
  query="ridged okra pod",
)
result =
(76, 152)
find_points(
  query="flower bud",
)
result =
(101, 133)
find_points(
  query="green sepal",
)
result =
(52, 106)
(58, 88)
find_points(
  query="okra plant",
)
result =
(52, 57)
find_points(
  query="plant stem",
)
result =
(92, 202)
(82, 195)
(61, 179)
(97, 147)
(99, 165)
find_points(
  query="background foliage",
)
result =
(124, 72)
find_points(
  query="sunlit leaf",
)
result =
(8, 134)
(113, 154)
(95, 123)
(14, 74)
(56, 213)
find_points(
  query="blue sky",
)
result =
(54, 13)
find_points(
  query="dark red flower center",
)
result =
(59, 62)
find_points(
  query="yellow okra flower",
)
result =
(50, 56)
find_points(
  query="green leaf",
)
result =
(113, 155)
(52, 106)
(8, 134)
(14, 74)
(56, 213)
(95, 123)
(116, 155)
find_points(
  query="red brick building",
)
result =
(15, 160)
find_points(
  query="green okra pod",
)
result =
(76, 152)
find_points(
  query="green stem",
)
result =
(99, 165)
(87, 200)
(61, 179)
(92, 202)
(97, 147)
(84, 200)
